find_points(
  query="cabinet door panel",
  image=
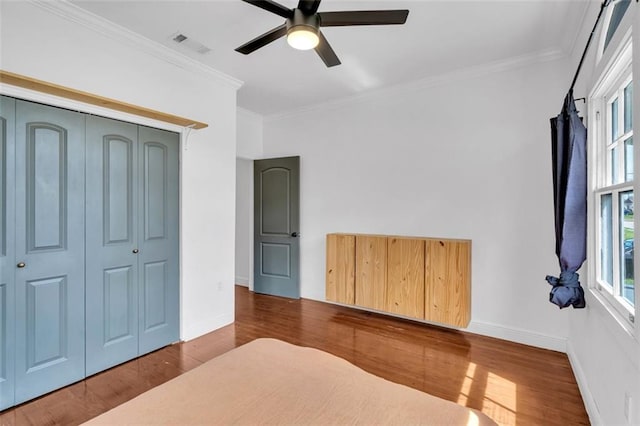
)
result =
(371, 271)
(158, 279)
(50, 211)
(7, 255)
(340, 272)
(112, 268)
(405, 277)
(448, 282)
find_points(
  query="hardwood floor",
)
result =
(512, 383)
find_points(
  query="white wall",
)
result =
(604, 355)
(57, 43)
(249, 148)
(468, 157)
(250, 128)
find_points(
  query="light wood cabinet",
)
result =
(341, 268)
(416, 277)
(447, 282)
(371, 271)
(405, 277)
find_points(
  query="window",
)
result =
(617, 13)
(612, 172)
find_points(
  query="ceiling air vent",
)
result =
(189, 43)
(180, 38)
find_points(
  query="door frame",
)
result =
(247, 223)
(251, 221)
(251, 227)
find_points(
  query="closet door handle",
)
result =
(21, 265)
(135, 251)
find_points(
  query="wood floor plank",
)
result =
(512, 383)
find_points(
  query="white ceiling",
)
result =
(439, 37)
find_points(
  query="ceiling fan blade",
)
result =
(308, 7)
(263, 40)
(363, 17)
(326, 53)
(272, 7)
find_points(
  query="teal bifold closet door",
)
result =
(112, 238)
(89, 245)
(49, 249)
(7, 256)
(132, 241)
(158, 259)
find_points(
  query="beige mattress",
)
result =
(268, 381)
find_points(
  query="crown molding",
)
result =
(573, 40)
(249, 113)
(73, 13)
(428, 82)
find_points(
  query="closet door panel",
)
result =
(50, 202)
(158, 206)
(7, 255)
(156, 288)
(112, 234)
(46, 187)
(47, 316)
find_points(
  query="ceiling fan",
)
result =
(302, 26)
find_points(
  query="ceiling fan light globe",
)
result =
(302, 38)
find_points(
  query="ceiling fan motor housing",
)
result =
(300, 21)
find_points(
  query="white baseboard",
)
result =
(516, 335)
(511, 334)
(206, 326)
(525, 337)
(244, 281)
(581, 378)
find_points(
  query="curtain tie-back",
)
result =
(567, 279)
(566, 290)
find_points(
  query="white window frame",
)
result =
(610, 85)
(618, 94)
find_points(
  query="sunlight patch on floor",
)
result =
(466, 384)
(500, 398)
(498, 395)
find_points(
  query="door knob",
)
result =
(135, 251)
(21, 265)
(295, 234)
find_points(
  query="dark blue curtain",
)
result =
(569, 156)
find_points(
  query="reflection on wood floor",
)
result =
(511, 383)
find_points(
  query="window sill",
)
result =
(605, 307)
